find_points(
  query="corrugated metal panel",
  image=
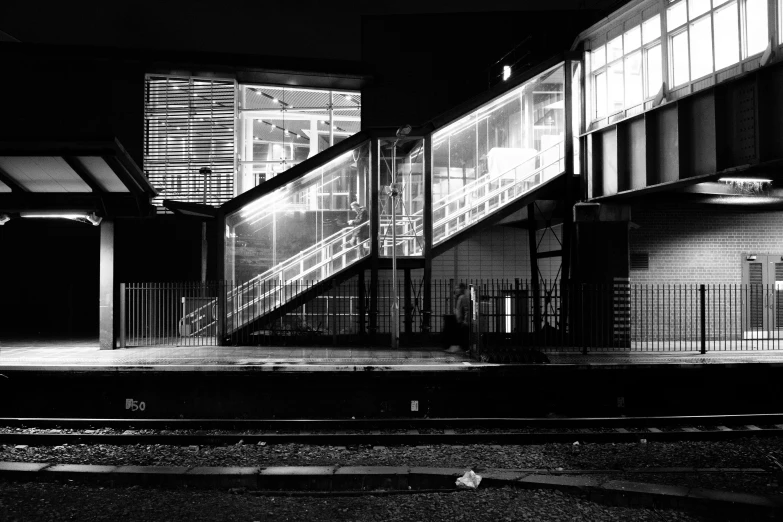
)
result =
(189, 124)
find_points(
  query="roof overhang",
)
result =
(193, 210)
(749, 187)
(71, 177)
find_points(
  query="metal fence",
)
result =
(506, 315)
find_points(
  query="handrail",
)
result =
(282, 287)
(274, 273)
(485, 179)
(476, 185)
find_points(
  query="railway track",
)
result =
(386, 432)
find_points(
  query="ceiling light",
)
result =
(506, 72)
(745, 180)
(76, 216)
(4, 219)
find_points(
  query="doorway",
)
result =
(762, 279)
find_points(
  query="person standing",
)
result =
(459, 343)
(362, 231)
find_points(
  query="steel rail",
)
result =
(396, 422)
(379, 439)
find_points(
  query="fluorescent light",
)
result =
(745, 180)
(63, 215)
(506, 72)
(76, 216)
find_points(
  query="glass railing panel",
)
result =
(304, 231)
(497, 153)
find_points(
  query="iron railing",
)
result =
(507, 315)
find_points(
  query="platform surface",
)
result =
(63, 354)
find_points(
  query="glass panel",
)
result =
(576, 110)
(632, 39)
(727, 50)
(614, 49)
(701, 48)
(654, 70)
(633, 79)
(305, 231)
(281, 127)
(615, 87)
(598, 57)
(676, 15)
(756, 30)
(402, 163)
(679, 57)
(600, 95)
(697, 8)
(651, 29)
(497, 153)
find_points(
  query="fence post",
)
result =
(703, 319)
(123, 321)
(582, 319)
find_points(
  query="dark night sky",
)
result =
(302, 28)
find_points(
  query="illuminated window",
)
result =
(620, 78)
(756, 28)
(633, 78)
(679, 58)
(701, 47)
(600, 95)
(726, 22)
(651, 29)
(654, 69)
(614, 87)
(739, 26)
(280, 127)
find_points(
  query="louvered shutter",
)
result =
(189, 124)
(756, 289)
(778, 296)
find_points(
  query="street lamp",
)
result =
(394, 192)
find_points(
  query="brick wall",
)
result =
(700, 245)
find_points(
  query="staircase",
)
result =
(461, 209)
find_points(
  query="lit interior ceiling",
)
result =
(277, 110)
(71, 176)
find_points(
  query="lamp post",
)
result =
(394, 193)
(206, 171)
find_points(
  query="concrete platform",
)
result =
(84, 355)
(385, 480)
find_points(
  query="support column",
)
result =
(426, 320)
(534, 276)
(408, 304)
(374, 231)
(108, 294)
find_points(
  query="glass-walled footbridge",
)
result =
(332, 215)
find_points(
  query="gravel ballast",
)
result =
(619, 458)
(49, 502)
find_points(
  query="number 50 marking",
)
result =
(134, 405)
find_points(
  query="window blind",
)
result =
(189, 125)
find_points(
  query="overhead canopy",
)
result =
(72, 177)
